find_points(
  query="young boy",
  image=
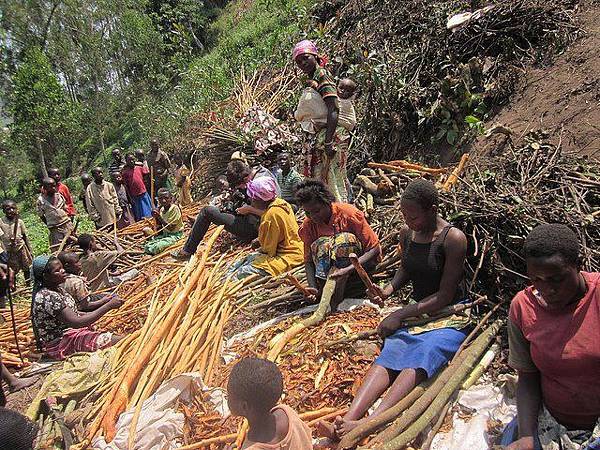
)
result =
(95, 264)
(126, 218)
(133, 179)
(63, 190)
(52, 209)
(77, 286)
(103, 204)
(287, 178)
(14, 239)
(168, 219)
(254, 387)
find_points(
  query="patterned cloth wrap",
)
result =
(554, 436)
(328, 251)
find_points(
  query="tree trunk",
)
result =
(42, 157)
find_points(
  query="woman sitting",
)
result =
(553, 340)
(433, 257)
(331, 232)
(280, 246)
(60, 328)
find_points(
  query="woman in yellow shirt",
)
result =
(281, 249)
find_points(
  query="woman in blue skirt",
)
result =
(433, 257)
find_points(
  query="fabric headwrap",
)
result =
(263, 188)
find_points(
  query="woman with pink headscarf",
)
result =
(280, 247)
(318, 112)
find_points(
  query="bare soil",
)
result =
(563, 99)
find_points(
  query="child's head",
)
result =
(49, 186)
(154, 145)
(86, 179)
(86, 242)
(55, 174)
(254, 387)
(98, 175)
(17, 431)
(116, 177)
(139, 154)
(346, 88)
(10, 209)
(70, 262)
(165, 198)
(130, 160)
(116, 154)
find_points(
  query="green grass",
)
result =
(248, 33)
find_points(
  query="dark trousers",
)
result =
(243, 227)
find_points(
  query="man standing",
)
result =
(63, 190)
(133, 179)
(102, 201)
(160, 165)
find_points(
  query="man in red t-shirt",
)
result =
(63, 190)
(553, 339)
(133, 179)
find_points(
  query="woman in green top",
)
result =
(326, 158)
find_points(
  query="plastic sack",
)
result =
(311, 111)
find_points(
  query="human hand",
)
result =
(329, 150)
(115, 302)
(337, 273)
(155, 213)
(314, 293)
(377, 294)
(255, 244)
(312, 84)
(525, 443)
(244, 210)
(390, 324)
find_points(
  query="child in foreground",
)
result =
(255, 386)
(169, 220)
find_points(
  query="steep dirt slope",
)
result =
(565, 97)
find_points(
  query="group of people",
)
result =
(552, 324)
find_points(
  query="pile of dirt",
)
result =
(563, 99)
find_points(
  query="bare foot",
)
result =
(22, 383)
(327, 430)
(344, 426)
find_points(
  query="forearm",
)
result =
(529, 401)
(86, 319)
(309, 268)
(88, 305)
(332, 122)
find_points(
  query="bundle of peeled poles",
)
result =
(132, 240)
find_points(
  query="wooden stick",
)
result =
(294, 282)
(364, 276)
